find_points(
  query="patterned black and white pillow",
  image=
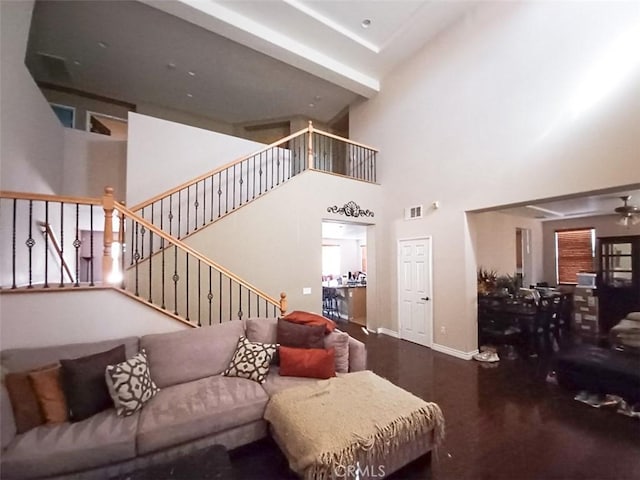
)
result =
(251, 360)
(130, 384)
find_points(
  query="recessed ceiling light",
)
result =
(189, 95)
(365, 23)
(77, 62)
(171, 65)
(191, 73)
(312, 105)
(103, 44)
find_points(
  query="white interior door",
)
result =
(415, 307)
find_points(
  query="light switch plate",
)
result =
(306, 291)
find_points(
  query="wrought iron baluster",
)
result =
(226, 192)
(30, 243)
(220, 300)
(121, 236)
(46, 244)
(258, 306)
(199, 294)
(175, 279)
(76, 245)
(278, 166)
(132, 241)
(150, 260)
(272, 161)
(241, 182)
(136, 258)
(234, 187)
(179, 210)
(91, 283)
(61, 244)
(211, 209)
(240, 302)
(204, 201)
(261, 173)
(187, 287)
(248, 303)
(210, 295)
(170, 216)
(254, 175)
(219, 194)
(142, 232)
(195, 214)
(13, 246)
(230, 298)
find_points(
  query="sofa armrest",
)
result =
(7, 422)
(357, 355)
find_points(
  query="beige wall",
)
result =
(31, 141)
(485, 116)
(93, 161)
(275, 243)
(98, 315)
(605, 226)
(495, 242)
(185, 118)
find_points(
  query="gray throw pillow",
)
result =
(251, 360)
(130, 384)
(340, 342)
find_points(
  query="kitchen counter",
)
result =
(352, 303)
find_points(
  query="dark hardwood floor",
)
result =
(502, 422)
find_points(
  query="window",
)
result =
(65, 114)
(575, 251)
(330, 260)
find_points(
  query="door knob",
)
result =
(425, 298)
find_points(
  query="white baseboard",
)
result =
(453, 352)
(386, 331)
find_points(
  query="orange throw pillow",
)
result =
(47, 384)
(307, 362)
(308, 318)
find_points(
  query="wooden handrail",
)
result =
(174, 241)
(310, 129)
(216, 170)
(345, 140)
(56, 246)
(50, 198)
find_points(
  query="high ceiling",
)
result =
(575, 207)
(249, 60)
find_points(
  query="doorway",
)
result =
(344, 272)
(415, 305)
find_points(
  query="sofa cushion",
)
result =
(263, 330)
(184, 412)
(23, 401)
(51, 450)
(339, 341)
(48, 387)
(307, 362)
(7, 422)
(187, 355)
(20, 359)
(84, 383)
(130, 384)
(251, 360)
(309, 318)
(300, 336)
(276, 382)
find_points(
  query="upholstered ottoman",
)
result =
(600, 370)
(379, 428)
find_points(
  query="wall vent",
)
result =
(411, 213)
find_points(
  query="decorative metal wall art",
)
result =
(350, 209)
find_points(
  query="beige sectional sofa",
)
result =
(196, 407)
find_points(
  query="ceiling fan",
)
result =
(629, 214)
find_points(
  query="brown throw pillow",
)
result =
(307, 362)
(308, 318)
(85, 387)
(24, 402)
(48, 387)
(300, 336)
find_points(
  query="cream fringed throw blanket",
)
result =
(354, 417)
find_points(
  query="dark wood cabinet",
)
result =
(618, 278)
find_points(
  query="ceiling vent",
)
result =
(411, 213)
(54, 67)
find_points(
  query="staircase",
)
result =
(53, 242)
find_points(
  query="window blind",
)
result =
(574, 253)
